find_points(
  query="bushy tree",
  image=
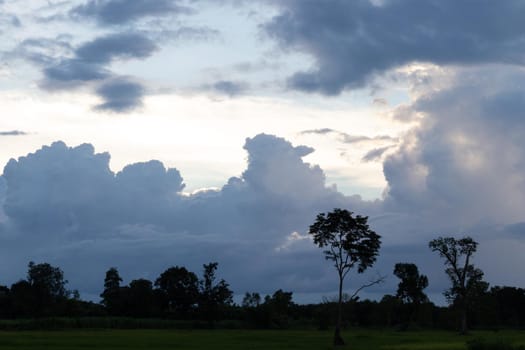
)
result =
(277, 309)
(410, 288)
(48, 286)
(349, 243)
(181, 289)
(141, 298)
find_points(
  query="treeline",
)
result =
(179, 294)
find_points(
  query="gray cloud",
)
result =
(375, 154)
(117, 12)
(322, 131)
(71, 73)
(120, 95)
(9, 20)
(87, 66)
(201, 33)
(466, 161)
(116, 46)
(42, 51)
(13, 133)
(89, 63)
(351, 41)
(229, 88)
(90, 59)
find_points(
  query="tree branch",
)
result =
(378, 280)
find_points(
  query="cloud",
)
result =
(375, 154)
(120, 46)
(118, 12)
(348, 138)
(42, 51)
(89, 65)
(353, 41)
(229, 88)
(120, 95)
(322, 131)
(9, 20)
(141, 28)
(13, 133)
(72, 73)
(195, 33)
(3, 189)
(466, 161)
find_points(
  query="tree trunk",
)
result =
(338, 340)
(464, 329)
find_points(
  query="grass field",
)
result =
(242, 340)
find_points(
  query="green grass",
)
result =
(243, 339)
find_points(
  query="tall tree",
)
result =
(350, 243)
(213, 296)
(410, 288)
(467, 280)
(111, 297)
(181, 289)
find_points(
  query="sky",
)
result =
(144, 134)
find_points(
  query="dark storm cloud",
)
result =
(351, 41)
(13, 133)
(116, 12)
(120, 95)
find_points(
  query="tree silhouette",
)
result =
(467, 281)
(141, 298)
(410, 288)
(181, 289)
(111, 296)
(213, 296)
(48, 286)
(350, 243)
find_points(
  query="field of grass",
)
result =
(243, 339)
